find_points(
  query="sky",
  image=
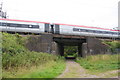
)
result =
(96, 13)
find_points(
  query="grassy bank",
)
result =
(100, 63)
(19, 62)
(48, 70)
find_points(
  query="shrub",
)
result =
(113, 45)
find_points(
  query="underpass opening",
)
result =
(73, 44)
(70, 52)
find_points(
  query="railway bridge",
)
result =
(54, 44)
(50, 42)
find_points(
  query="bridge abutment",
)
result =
(95, 46)
(40, 43)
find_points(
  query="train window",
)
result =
(4, 24)
(104, 32)
(94, 31)
(35, 26)
(75, 29)
(87, 30)
(7, 24)
(109, 32)
(100, 32)
(13, 25)
(90, 31)
(114, 33)
(24, 25)
(19, 25)
(0, 23)
(97, 31)
(83, 30)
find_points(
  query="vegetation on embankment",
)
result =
(19, 62)
(113, 45)
(100, 63)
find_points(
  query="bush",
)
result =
(113, 45)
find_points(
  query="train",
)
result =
(12, 25)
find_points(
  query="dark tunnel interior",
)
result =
(68, 47)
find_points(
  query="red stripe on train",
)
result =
(24, 21)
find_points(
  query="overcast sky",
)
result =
(97, 13)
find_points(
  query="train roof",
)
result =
(24, 21)
(60, 24)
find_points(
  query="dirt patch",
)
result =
(109, 74)
(74, 70)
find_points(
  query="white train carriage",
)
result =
(22, 26)
(65, 29)
(86, 31)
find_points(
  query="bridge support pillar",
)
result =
(84, 50)
(61, 49)
(80, 51)
(54, 49)
(57, 49)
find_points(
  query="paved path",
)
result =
(74, 70)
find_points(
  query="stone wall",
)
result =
(40, 43)
(44, 43)
(95, 46)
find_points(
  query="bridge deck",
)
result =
(68, 36)
(69, 40)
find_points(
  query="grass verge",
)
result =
(100, 63)
(49, 70)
